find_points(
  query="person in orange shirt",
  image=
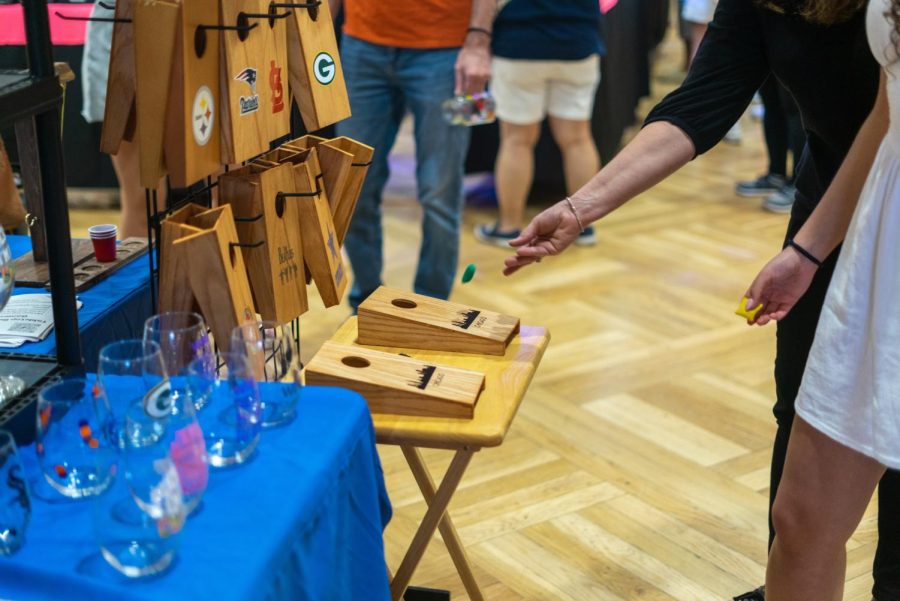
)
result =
(411, 55)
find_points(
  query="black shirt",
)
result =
(830, 71)
(548, 30)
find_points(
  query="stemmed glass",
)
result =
(15, 504)
(274, 357)
(74, 455)
(231, 415)
(132, 376)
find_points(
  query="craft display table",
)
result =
(303, 519)
(507, 379)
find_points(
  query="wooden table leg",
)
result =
(436, 510)
(447, 529)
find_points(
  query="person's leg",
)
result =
(132, 197)
(377, 107)
(427, 79)
(581, 161)
(514, 171)
(698, 30)
(886, 568)
(774, 126)
(796, 136)
(824, 493)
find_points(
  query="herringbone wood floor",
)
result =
(637, 467)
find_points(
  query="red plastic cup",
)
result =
(103, 237)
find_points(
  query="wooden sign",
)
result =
(275, 78)
(174, 284)
(397, 384)
(118, 114)
(343, 208)
(192, 145)
(316, 76)
(321, 250)
(155, 25)
(269, 230)
(217, 273)
(395, 318)
(336, 164)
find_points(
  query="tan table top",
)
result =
(506, 380)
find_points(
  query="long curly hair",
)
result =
(824, 12)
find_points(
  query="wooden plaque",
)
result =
(343, 208)
(336, 164)
(155, 25)
(192, 144)
(321, 250)
(174, 284)
(274, 81)
(397, 384)
(316, 76)
(396, 318)
(217, 273)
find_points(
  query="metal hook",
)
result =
(360, 164)
(312, 7)
(96, 19)
(246, 244)
(248, 219)
(107, 6)
(243, 28)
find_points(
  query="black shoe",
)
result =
(754, 595)
(491, 234)
(761, 186)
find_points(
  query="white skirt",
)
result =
(851, 386)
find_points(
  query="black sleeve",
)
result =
(729, 67)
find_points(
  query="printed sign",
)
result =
(277, 88)
(324, 68)
(248, 104)
(203, 115)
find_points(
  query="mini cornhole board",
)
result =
(217, 273)
(335, 162)
(276, 92)
(402, 319)
(342, 209)
(192, 137)
(118, 115)
(316, 76)
(275, 266)
(249, 73)
(154, 24)
(174, 284)
(397, 384)
(321, 250)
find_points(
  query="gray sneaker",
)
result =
(781, 201)
(761, 186)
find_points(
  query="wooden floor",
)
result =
(637, 467)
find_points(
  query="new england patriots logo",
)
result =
(248, 76)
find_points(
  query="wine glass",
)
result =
(138, 520)
(182, 338)
(15, 504)
(231, 415)
(74, 456)
(132, 377)
(10, 386)
(274, 357)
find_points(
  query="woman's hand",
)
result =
(779, 286)
(550, 233)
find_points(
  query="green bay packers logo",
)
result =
(158, 400)
(324, 68)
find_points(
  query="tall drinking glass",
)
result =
(138, 520)
(232, 414)
(15, 504)
(182, 338)
(274, 357)
(74, 455)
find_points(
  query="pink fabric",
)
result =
(63, 33)
(606, 5)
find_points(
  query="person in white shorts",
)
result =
(546, 62)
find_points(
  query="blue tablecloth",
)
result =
(114, 309)
(302, 520)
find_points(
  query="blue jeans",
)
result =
(383, 82)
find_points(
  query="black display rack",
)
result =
(34, 97)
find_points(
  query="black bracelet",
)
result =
(479, 30)
(804, 252)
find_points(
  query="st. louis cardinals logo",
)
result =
(277, 88)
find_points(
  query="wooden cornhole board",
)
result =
(396, 318)
(397, 384)
(335, 162)
(343, 207)
(316, 76)
(275, 266)
(175, 292)
(118, 115)
(217, 273)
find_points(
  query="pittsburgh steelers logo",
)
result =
(202, 115)
(324, 68)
